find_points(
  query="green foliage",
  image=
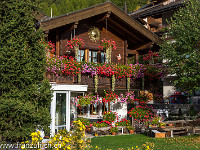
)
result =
(130, 128)
(84, 121)
(181, 48)
(25, 95)
(113, 129)
(109, 116)
(66, 6)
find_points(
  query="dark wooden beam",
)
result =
(57, 43)
(46, 33)
(104, 17)
(124, 35)
(125, 51)
(143, 46)
(125, 30)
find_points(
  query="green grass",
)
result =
(129, 141)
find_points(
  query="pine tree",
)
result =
(25, 94)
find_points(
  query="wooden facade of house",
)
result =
(130, 37)
(154, 16)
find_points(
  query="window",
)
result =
(103, 57)
(81, 110)
(60, 109)
(94, 108)
(81, 55)
(106, 107)
(92, 56)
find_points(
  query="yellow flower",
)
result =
(26, 141)
(69, 147)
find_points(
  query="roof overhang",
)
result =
(67, 87)
(117, 18)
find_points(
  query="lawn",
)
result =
(129, 141)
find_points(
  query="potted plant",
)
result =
(130, 129)
(161, 125)
(113, 130)
(95, 134)
(155, 121)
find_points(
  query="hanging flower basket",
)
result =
(75, 43)
(108, 46)
(110, 97)
(87, 99)
(50, 49)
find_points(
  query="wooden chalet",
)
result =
(130, 36)
(154, 16)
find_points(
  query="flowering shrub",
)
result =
(107, 43)
(143, 113)
(89, 69)
(142, 98)
(70, 140)
(71, 67)
(109, 116)
(155, 72)
(148, 146)
(124, 122)
(88, 99)
(75, 42)
(84, 121)
(110, 97)
(50, 47)
(55, 65)
(158, 97)
(128, 97)
(151, 56)
(113, 129)
(101, 124)
(155, 120)
(35, 139)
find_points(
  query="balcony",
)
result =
(103, 82)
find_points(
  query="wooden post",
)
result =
(57, 43)
(143, 83)
(125, 51)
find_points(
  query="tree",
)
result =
(25, 94)
(181, 48)
(67, 6)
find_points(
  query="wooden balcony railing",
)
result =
(103, 82)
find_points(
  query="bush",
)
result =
(113, 129)
(101, 124)
(84, 121)
(109, 116)
(124, 122)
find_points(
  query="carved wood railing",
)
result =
(103, 82)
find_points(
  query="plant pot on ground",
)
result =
(130, 129)
(113, 130)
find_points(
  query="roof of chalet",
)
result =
(157, 9)
(41, 16)
(118, 20)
